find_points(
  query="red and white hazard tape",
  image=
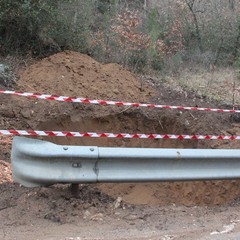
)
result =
(106, 102)
(114, 135)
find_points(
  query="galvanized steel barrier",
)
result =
(41, 163)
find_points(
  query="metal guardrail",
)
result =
(41, 163)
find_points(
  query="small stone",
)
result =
(131, 217)
(26, 113)
(97, 217)
(115, 91)
(3, 68)
(187, 123)
(86, 214)
(118, 202)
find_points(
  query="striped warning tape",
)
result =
(106, 102)
(114, 135)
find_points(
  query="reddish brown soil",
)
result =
(74, 74)
(5, 172)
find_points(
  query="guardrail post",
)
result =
(74, 190)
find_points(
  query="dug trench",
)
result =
(179, 193)
(56, 203)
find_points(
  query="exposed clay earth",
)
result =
(157, 211)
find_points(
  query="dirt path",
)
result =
(36, 215)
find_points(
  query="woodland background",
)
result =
(188, 43)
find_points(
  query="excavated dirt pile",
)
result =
(73, 74)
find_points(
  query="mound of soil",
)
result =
(70, 74)
(75, 74)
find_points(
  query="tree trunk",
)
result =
(190, 5)
(231, 4)
(236, 45)
(145, 5)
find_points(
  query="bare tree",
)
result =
(231, 4)
(236, 45)
(145, 5)
(190, 4)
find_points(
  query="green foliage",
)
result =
(237, 64)
(154, 32)
(22, 22)
(76, 22)
(103, 6)
(137, 60)
(173, 63)
(43, 27)
(7, 75)
(153, 25)
(157, 62)
(158, 35)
